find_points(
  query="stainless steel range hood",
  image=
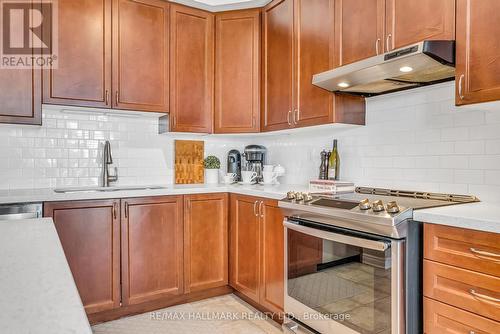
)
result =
(421, 64)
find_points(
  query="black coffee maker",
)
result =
(234, 164)
(255, 159)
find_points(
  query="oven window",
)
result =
(348, 284)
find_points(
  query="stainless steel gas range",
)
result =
(353, 261)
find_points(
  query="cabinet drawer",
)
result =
(474, 250)
(440, 318)
(468, 290)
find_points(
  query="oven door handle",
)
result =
(345, 239)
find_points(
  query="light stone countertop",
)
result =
(480, 216)
(37, 292)
(477, 216)
(48, 195)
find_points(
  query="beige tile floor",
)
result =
(225, 314)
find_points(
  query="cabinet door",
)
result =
(205, 242)
(278, 65)
(140, 55)
(412, 21)
(237, 76)
(152, 242)
(272, 256)
(478, 61)
(314, 54)
(359, 30)
(83, 75)
(20, 93)
(245, 246)
(90, 236)
(192, 70)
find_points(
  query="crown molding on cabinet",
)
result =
(206, 5)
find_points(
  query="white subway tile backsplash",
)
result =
(415, 140)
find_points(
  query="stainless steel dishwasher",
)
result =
(20, 211)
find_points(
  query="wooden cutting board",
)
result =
(189, 167)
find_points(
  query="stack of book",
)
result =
(331, 187)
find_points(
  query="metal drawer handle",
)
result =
(460, 89)
(377, 43)
(483, 297)
(387, 42)
(255, 209)
(296, 115)
(480, 253)
(341, 238)
(288, 117)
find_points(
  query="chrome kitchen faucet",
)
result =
(107, 160)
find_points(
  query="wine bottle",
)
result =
(334, 163)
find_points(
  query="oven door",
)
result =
(343, 281)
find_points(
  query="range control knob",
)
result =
(291, 195)
(378, 206)
(307, 197)
(392, 207)
(299, 196)
(365, 204)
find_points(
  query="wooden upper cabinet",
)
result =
(192, 70)
(478, 62)
(83, 74)
(141, 55)
(314, 42)
(245, 246)
(413, 21)
(205, 241)
(152, 248)
(278, 66)
(272, 256)
(20, 93)
(237, 72)
(90, 236)
(359, 26)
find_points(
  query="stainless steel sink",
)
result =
(105, 189)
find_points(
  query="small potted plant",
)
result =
(212, 165)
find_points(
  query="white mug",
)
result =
(229, 178)
(248, 176)
(269, 177)
(268, 168)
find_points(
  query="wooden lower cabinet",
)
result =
(205, 241)
(152, 248)
(272, 256)
(461, 281)
(173, 250)
(441, 318)
(90, 236)
(257, 251)
(245, 246)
